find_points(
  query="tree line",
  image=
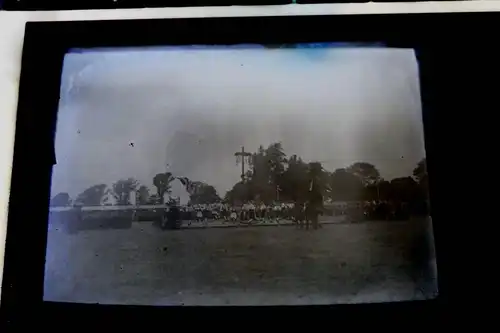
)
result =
(200, 192)
(271, 176)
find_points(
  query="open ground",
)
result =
(340, 263)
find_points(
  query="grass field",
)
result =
(340, 263)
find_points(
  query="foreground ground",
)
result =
(341, 263)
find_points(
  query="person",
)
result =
(251, 211)
(299, 214)
(215, 212)
(199, 214)
(277, 212)
(291, 211)
(234, 216)
(263, 211)
(291, 207)
(189, 214)
(172, 217)
(223, 212)
(285, 212)
(314, 204)
(244, 212)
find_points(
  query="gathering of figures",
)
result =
(301, 194)
(302, 215)
(249, 213)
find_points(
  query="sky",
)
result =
(138, 112)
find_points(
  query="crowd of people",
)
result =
(278, 212)
(247, 212)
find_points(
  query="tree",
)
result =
(122, 189)
(346, 186)
(382, 191)
(404, 189)
(316, 172)
(421, 176)
(300, 182)
(144, 196)
(367, 172)
(60, 200)
(91, 196)
(420, 171)
(264, 179)
(259, 184)
(276, 160)
(162, 183)
(238, 194)
(294, 182)
(204, 194)
(190, 185)
(316, 179)
(229, 197)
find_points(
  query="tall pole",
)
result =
(242, 154)
(242, 163)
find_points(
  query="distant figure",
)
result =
(244, 212)
(299, 215)
(284, 211)
(233, 217)
(215, 212)
(314, 205)
(277, 212)
(205, 213)
(263, 211)
(224, 212)
(199, 214)
(251, 212)
(188, 211)
(171, 218)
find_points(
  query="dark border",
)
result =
(451, 79)
(42, 5)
